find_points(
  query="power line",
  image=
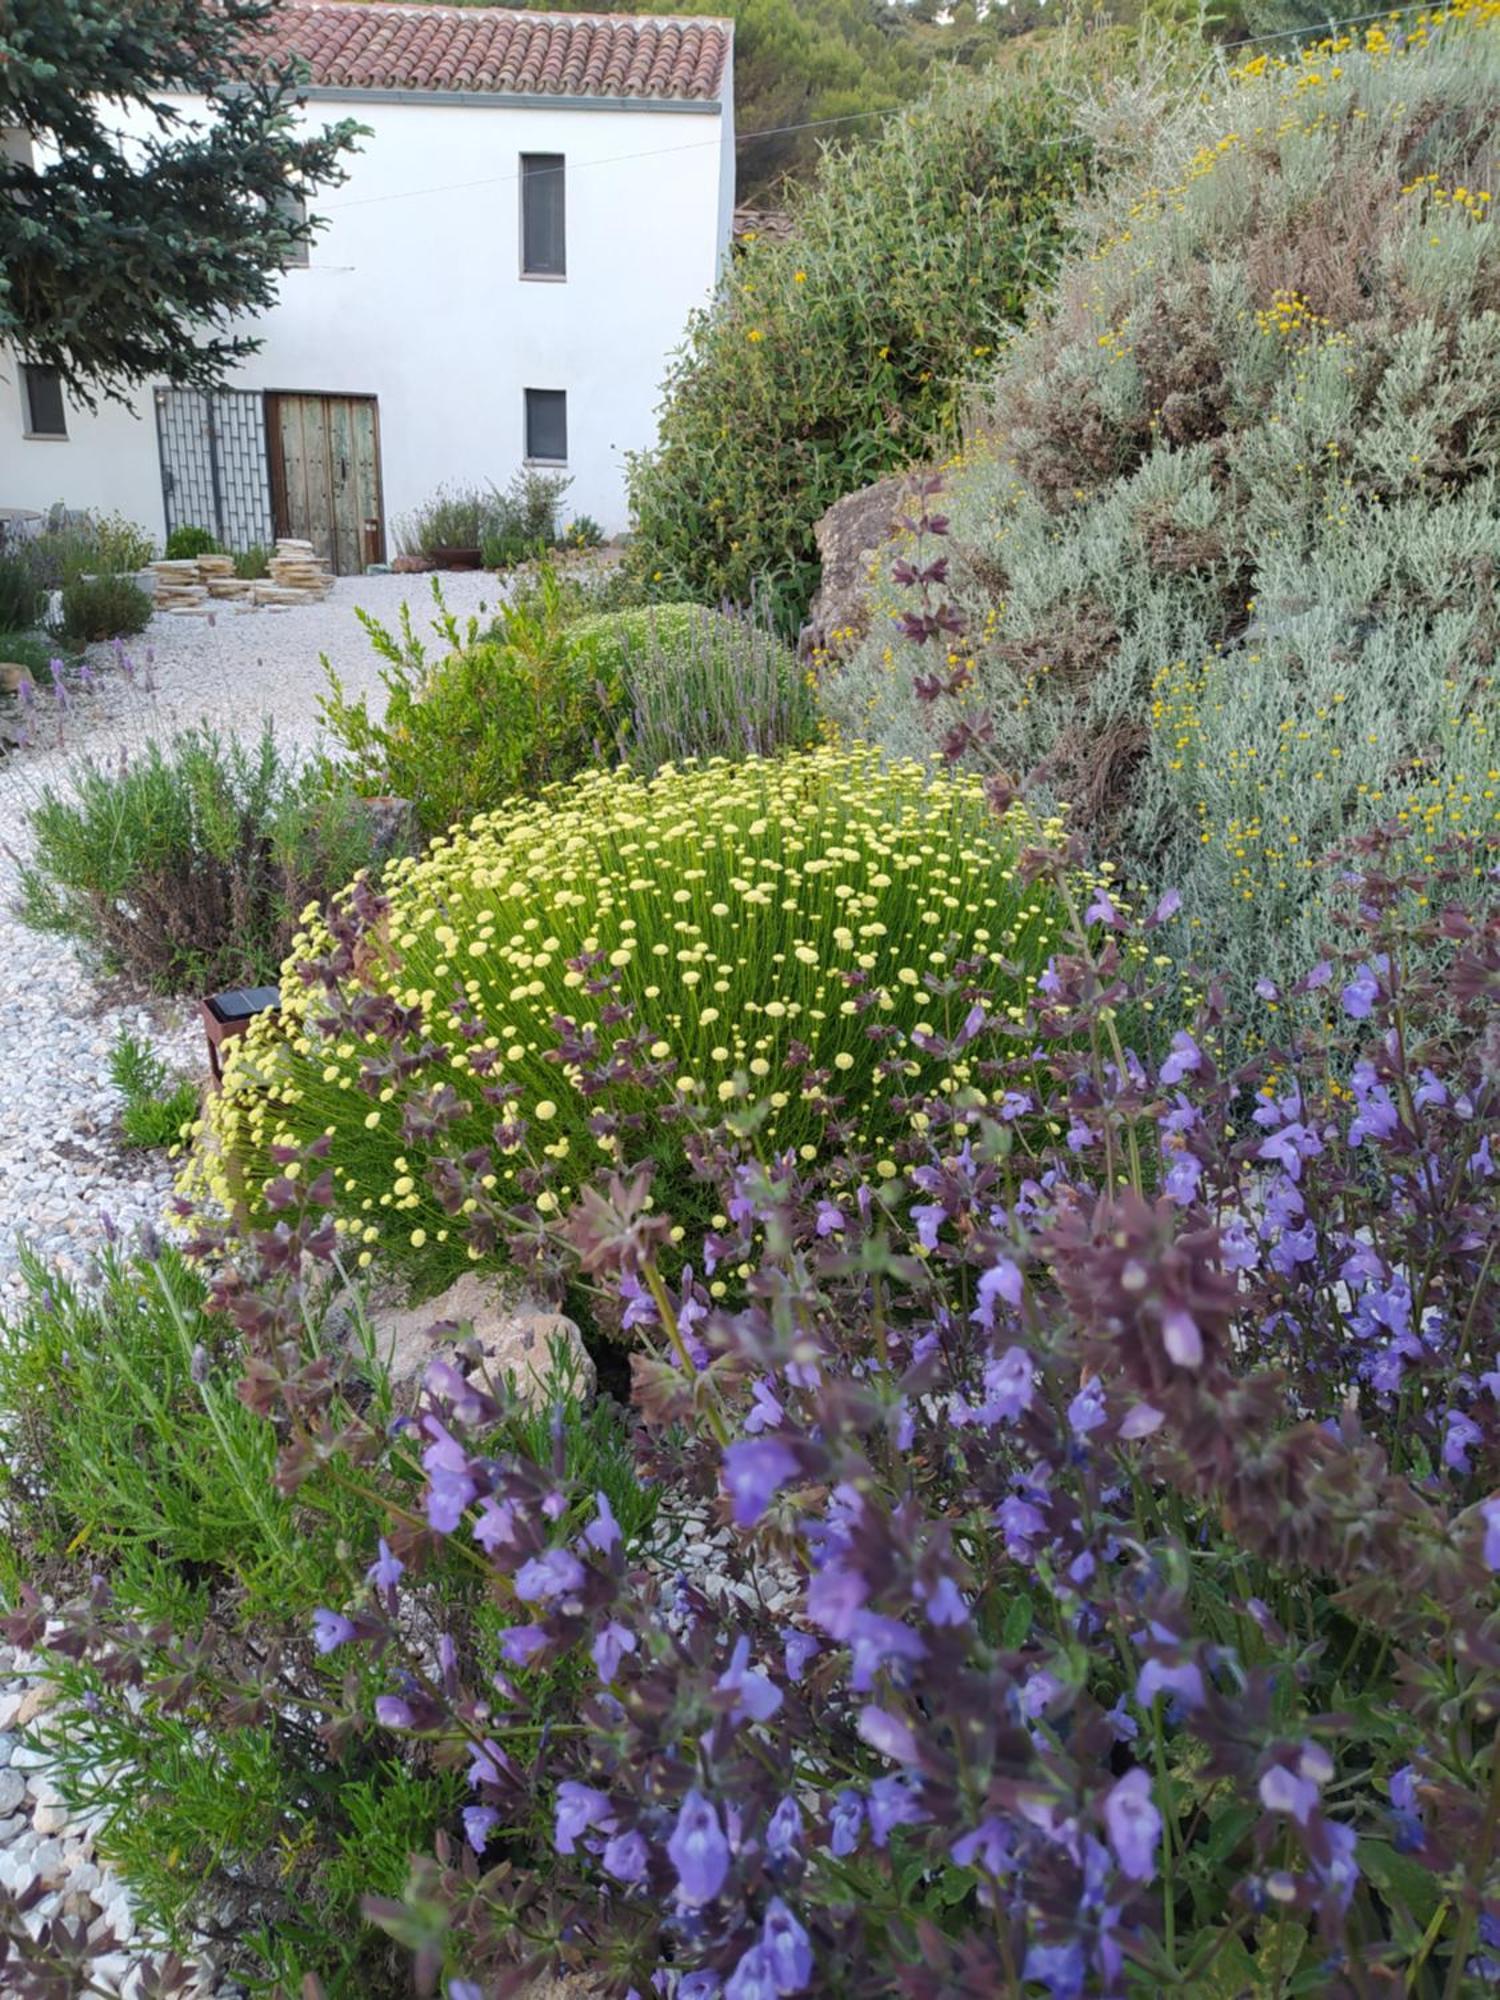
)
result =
(847, 118)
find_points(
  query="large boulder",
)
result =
(851, 538)
(516, 1336)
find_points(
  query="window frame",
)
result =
(530, 457)
(28, 413)
(524, 178)
(292, 207)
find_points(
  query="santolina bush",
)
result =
(796, 935)
(1109, 1598)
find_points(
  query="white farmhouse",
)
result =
(542, 201)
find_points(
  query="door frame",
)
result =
(276, 458)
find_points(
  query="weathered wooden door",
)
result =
(324, 454)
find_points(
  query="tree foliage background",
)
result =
(119, 264)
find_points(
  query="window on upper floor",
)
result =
(42, 402)
(547, 426)
(292, 209)
(543, 228)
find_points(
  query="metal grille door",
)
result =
(213, 463)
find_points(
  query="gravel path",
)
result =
(65, 1180)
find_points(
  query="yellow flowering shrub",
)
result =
(782, 934)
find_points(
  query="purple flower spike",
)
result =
(1133, 1825)
(755, 1471)
(331, 1630)
(698, 1850)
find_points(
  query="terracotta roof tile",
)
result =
(369, 45)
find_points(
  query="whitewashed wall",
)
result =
(413, 294)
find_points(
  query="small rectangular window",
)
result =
(291, 209)
(42, 397)
(547, 426)
(543, 232)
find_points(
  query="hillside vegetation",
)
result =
(1222, 573)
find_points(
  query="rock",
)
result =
(12, 1791)
(850, 537)
(12, 675)
(36, 1701)
(515, 1335)
(50, 1818)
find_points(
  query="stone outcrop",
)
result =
(850, 537)
(516, 1336)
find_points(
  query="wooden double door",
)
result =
(323, 455)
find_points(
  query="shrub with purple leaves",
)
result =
(1107, 1594)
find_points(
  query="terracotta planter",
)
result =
(456, 558)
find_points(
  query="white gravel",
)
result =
(65, 1181)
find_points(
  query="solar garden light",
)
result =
(230, 1013)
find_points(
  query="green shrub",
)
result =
(1224, 562)
(130, 1455)
(157, 1105)
(102, 607)
(24, 649)
(23, 601)
(583, 532)
(458, 518)
(188, 541)
(783, 929)
(848, 349)
(254, 563)
(188, 868)
(497, 715)
(698, 683)
(122, 545)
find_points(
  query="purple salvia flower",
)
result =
(449, 1485)
(331, 1630)
(844, 1823)
(519, 1643)
(765, 1413)
(753, 1978)
(627, 1857)
(800, 1647)
(1185, 1681)
(889, 1735)
(387, 1571)
(391, 1712)
(1489, 1513)
(894, 1801)
(603, 1532)
(479, 1823)
(579, 1807)
(754, 1472)
(784, 1830)
(788, 1949)
(1134, 1825)
(698, 1850)
(1360, 995)
(1184, 1057)
(1005, 1282)
(496, 1526)
(554, 1573)
(987, 1848)
(610, 1647)
(758, 1697)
